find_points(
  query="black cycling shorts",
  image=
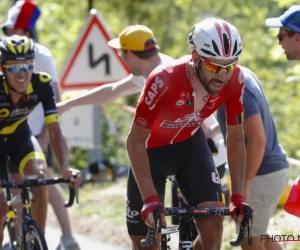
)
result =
(19, 148)
(193, 166)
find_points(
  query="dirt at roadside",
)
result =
(90, 227)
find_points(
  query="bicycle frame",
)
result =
(26, 212)
(190, 213)
(185, 233)
(25, 186)
(185, 223)
(185, 229)
(11, 218)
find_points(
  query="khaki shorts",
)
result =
(265, 193)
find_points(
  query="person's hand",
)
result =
(238, 208)
(150, 205)
(62, 107)
(68, 175)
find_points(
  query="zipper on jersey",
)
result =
(18, 104)
(190, 119)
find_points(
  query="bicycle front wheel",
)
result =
(34, 238)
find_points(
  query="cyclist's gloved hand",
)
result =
(150, 206)
(238, 208)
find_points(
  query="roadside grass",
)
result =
(107, 202)
(103, 202)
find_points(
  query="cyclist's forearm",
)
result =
(105, 94)
(97, 96)
(141, 167)
(60, 149)
(237, 161)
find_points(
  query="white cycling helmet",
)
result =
(216, 38)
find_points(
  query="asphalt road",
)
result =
(53, 236)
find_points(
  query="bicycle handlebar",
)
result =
(32, 181)
(151, 238)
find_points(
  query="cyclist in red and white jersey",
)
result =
(166, 137)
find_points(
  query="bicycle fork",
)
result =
(11, 220)
(185, 234)
(26, 214)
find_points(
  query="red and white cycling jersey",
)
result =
(166, 104)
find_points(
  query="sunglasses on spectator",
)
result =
(281, 36)
(289, 33)
(15, 68)
(218, 68)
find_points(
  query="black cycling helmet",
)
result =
(16, 48)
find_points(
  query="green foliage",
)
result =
(78, 157)
(171, 20)
(115, 122)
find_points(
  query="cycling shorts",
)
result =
(19, 148)
(192, 164)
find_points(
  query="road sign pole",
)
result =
(95, 154)
(91, 63)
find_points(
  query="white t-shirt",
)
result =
(221, 157)
(140, 80)
(43, 63)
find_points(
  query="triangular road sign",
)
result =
(92, 61)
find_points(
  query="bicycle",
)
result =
(186, 217)
(32, 236)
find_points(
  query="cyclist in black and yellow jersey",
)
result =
(20, 91)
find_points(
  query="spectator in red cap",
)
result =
(21, 20)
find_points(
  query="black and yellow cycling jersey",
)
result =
(16, 141)
(13, 117)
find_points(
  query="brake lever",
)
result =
(73, 191)
(151, 238)
(244, 232)
(76, 193)
(249, 232)
(70, 202)
(157, 218)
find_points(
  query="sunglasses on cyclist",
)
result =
(218, 68)
(15, 68)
